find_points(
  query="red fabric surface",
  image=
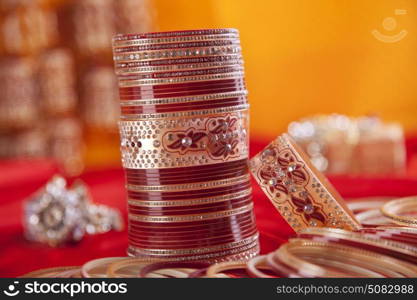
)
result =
(19, 179)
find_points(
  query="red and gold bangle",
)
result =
(195, 243)
(191, 218)
(192, 202)
(236, 233)
(186, 99)
(395, 208)
(185, 226)
(172, 64)
(247, 242)
(181, 90)
(301, 194)
(176, 45)
(186, 79)
(160, 196)
(181, 73)
(206, 208)
(239, 253)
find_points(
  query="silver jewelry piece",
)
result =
(56, 214)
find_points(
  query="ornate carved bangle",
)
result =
(297, 189)
(166, 144)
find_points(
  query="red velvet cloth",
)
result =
(20, 179)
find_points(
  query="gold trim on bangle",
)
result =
(246, 243)
(184, 99)
(140, 42)
(188, 186)
(192, 218)
(181, 53)
(124, 70)
(185, 79)
(301, 194)
(394, 208)
(191, 202)
(194, 113)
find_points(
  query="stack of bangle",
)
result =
(184, 144)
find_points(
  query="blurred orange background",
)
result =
(306, 57)
(302, 58)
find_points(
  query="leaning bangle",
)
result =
(394, 208)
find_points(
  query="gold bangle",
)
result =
(253, 265)
(301, 194)
(364, 238)
(213, 270)
(378, 262)
(111, 271)
(191, 202)
(394, 208)
(191, 218)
